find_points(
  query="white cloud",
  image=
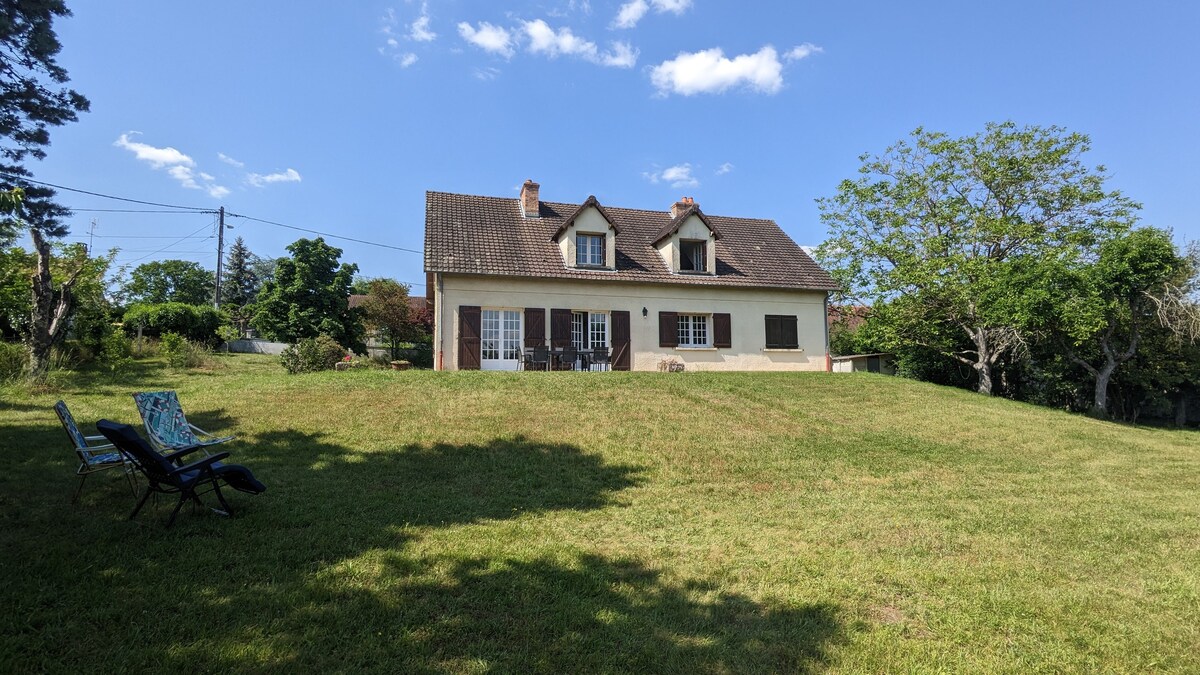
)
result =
(710, 72)
(217, 191)
(723, 169)
(630, 13)
(679, 176)
(486, 74)
(229, 160)
(261, 180)
(545, 40)
(489, 38)
(157, 158)
(406, 59)
(802, 51)
(621, 56)
(419, 30)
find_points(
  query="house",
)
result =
(865, 363)
(705, 291)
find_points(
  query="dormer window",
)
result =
(693, 255)
(589, 250)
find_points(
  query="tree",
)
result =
(310, 296)
(170, 281)
(240, 283)
(387, 310)
(30, 103)
(950, 233)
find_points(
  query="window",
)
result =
(693, 330)
(589, 250)
(693, 256)
(500, 335)
(589, 330)
(781, 332)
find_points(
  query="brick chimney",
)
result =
(682, 205)
(529, 199)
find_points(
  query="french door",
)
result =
(500, 339)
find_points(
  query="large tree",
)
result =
(31, 102)
(387, 310)
(310, 296)
(170, 281)
(240, 283)
(949, 232)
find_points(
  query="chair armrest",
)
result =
(200, 463)
(95, 438)
(181, 453)
(202, 432)
(98, 449)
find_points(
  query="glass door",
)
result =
(500, 339)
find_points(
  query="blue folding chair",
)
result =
(166, 425)
(92, 458)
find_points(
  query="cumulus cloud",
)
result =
(550, 42)
(261, 180)
(229, 160)
(406, 59)
(630, 13)
(802, 51)
(679, 176)
(178, 165)
(711, 72)
(419, 30)
(489, 38)
(723, 169)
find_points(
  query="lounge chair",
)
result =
(189, 481)
(166, 425)
(92, 458)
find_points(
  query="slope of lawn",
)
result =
(568, 522)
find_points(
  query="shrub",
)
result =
(181, 352)
(228, 333)
(116, 351)
(312, 354)
(12, 360)
(198, 323)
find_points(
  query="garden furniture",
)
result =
(166, 424)
(92, 458)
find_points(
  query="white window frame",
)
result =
(694, 331)
(584, 331)
(500, 333)
(589, 249)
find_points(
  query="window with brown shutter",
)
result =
(560, 328)
(668, 329)
(722, 331)
(469, 344)
(781, 332)
(535, 327)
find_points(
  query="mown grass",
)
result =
(567, 522)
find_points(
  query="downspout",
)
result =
(825, 322)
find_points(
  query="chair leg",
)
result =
(140, 504)
(221, 498)
(131, 480)
(183, 497)
(79, 490)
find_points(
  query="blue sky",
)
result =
(338, 117)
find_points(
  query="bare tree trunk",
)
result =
(983, 364)
(1100, 395)
(48, 317)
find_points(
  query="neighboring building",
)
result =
(865, 363)
(710, 292)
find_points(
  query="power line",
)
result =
(323, 234)
(20, 178)
(179, 241)
(186, 213)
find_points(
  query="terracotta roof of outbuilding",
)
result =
(469, 234)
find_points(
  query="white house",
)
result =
(709, 292)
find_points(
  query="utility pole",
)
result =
(220, 255)
(91, 235)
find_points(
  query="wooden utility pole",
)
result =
(220, 256)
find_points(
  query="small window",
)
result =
(693, 256)
(781, 332)
(589, 250)
(693, 330)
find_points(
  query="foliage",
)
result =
(951, 233)
(198, 323)
(312, 354)
(228, 333)
(309, 296)
(116, 351)
(387, 311)
(240, 284)
(162, 281)
(181, 352)
(12, 360)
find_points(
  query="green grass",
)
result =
(565, 522)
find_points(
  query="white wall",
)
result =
(588, 222)
(747, 308)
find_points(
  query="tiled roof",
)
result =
(469, 234)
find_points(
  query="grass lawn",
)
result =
(560, 522)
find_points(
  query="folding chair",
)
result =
(166, 425)
(92, 458)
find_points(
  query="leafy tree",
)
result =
(388, 311)
(950, 232)
(31, 101)
(170, 281)
(310, 296)
(240, 283)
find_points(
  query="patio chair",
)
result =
(189, 481)
(92, 458)
(166, 425)
(600, 358)
(570, 357)
(539, 359)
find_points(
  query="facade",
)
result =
(884, 364)
(653, 287)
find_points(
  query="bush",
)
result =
(12, 360)
(198, 323)
(312, 354)
(181, 352)
(116, 351)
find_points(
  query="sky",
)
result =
(337, 117)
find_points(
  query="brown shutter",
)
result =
(668, 329)
(560, 328)
(468, 338)
(621, 356)
(535, 327)
(722, 331)
(791, 338)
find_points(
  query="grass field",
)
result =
(566, 522)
